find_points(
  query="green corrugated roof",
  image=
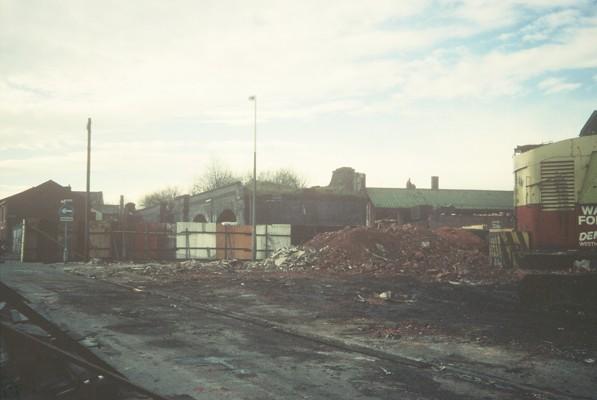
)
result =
(462, 199)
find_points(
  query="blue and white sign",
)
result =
(66, 212)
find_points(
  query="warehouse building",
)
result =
(441, 207)
(309, 211)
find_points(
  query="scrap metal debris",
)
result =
(446, 254)
(289, 259)
(441, 255)
(387, 295)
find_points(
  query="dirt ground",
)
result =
(477, 326)
(475, 340)
(480, 314)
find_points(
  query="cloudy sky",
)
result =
(395, 89)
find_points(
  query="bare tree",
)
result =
(165, 195)
(283, 176)
(288, 177)
(215, 175)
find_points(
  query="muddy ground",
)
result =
(487, 314)
(471, 341)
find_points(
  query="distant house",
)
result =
(95, 198)
(39, 207)
(441, 207)
(99, 210)
(106, 212)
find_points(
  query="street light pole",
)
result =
(253, 202)
(86, 252)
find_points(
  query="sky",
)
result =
(394, 89)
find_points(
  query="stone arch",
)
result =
(226, 216)
(199, 218)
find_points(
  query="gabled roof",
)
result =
(47, 184)
(439, 198)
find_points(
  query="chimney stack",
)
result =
(435, 182)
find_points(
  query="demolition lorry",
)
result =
(555, 202)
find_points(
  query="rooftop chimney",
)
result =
(435, 182)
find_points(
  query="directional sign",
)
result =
(66, 212)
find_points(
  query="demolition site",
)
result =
(344, 291)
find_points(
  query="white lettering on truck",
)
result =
(588, 215)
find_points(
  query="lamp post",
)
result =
(253, 216)
(86, 248)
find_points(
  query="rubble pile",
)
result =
(153, 270)
(289, 259)
(435, 255)
(183, 267)
(461, 238)
(444, 254)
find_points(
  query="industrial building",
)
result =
(309, 211)
(441, 207)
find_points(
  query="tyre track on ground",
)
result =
(473, 376)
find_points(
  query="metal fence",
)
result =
(185, 240)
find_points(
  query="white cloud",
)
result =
(545, 26)
(535, 37)
(146, 71)
(506, 36)
(9, 190)
(497, 73)
(186, 59)
(557, 85)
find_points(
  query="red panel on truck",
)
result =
(548, 230)
(559, 230)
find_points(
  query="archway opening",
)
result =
(199, 218)
(226, 216)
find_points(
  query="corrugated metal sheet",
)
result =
(196, 240)
(504, 244)
(213, 241)
(234, 241)
(461, 199)
(272, 237)
(151, 241)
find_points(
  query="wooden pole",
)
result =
(254, 200)
(122, 228)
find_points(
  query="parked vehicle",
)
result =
(555, 200)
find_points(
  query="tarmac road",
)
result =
(174, 348)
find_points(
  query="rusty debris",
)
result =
(450, 255)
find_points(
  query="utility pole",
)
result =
(253, 215)
(86, 252)
(123, 228)
(65, 249)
